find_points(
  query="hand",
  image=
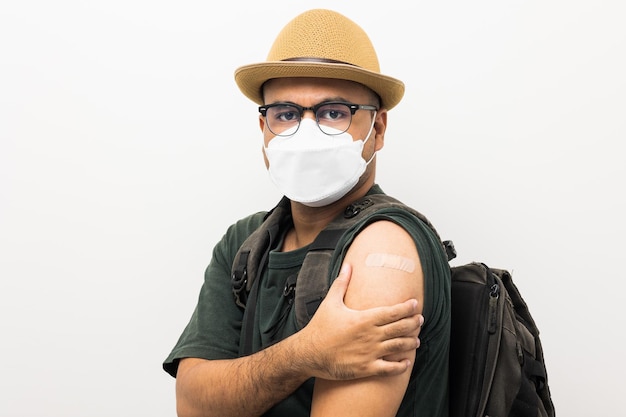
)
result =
(346, 344)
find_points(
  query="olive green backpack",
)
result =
(497, 367)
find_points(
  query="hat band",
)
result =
(322, 60)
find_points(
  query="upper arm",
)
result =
(386, 267)
(386, 270)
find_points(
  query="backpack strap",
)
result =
(249, 263)
(311, 287)
(252, 254)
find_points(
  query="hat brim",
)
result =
(250, 78)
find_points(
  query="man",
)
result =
(323, 105)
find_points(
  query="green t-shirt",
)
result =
(215, 326)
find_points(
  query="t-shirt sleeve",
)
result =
(427, 389)
(214, 329)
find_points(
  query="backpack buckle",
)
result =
(357, 207)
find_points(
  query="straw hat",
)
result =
(323, 44)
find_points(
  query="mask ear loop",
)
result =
(368, 138)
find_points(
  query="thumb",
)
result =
(339, 287)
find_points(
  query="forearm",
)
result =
(243, 387)
(365, 397)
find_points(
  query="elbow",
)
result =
(188, 400)
(187, 407)
(184, 406)
(183, 409)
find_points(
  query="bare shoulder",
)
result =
(386, 267)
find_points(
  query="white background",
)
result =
(126, 150)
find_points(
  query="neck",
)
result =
(308, 222)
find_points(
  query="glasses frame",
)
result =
(301, 109)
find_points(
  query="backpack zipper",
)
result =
(494, 294)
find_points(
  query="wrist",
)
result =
(289, 361)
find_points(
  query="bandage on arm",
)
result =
(389, 260)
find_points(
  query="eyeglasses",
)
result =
(333, 118)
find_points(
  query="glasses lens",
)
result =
(282, 118)
(334, 118)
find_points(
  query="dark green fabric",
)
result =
(214, 329)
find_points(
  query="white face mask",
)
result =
(314, 168)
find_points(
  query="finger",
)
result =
(399, 345)
(339, 287)
(389, 314)
(406, 327)
(390, 368)
(420, 319)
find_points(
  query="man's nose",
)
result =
(304, 114)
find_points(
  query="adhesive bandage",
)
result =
(387, 260)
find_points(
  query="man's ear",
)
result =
(380, 125)
(262, 127)
(262, 123)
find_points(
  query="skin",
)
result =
(360, 344)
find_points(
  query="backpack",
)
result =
(496, 367)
